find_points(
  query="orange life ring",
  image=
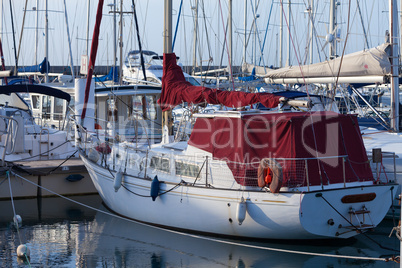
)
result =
(270, 174)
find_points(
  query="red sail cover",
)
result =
(175, 90)
(289, 138)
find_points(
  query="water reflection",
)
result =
(121, 243)
(63, 234)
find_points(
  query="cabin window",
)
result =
(58, 109)
(188, 170)
(35, 102)
(144, 106)
(160, 163)
(46, 107)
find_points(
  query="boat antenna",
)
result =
(15, 47)
(139, 41)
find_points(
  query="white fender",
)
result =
(117, 180)
(241, 211)
(93, 155)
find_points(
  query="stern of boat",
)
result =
(345, 212)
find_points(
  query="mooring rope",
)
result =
(215, 239)
(15, 220)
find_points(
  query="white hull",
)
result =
(287, 215)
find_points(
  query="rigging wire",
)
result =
(139, 42)
(177, 24)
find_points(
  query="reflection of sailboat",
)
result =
(120, 242)
(49, 209)
(51, 227)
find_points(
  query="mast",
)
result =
(36, 32)
(167, 126)
(22, 29)
(281, 37)
(393, 27)
(230, 42)
(195, 36)
(121, 42)
(87, 39)
(245, 31)
(114, 40)
(332, 22)
(289, 20)
(15, 47)
(69, 42)
(46, 43)
(311, 30)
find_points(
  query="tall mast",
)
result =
(69, 42)
(46, 42)
(87, 39)
(332, 22)
(167, 30)
(281, 36)
(36, 32)
(311, 30)
(230, 42)
(1, 20)
(289, 20)
(195, 35)
(245, 31)
(114, 40)
(393, 27)
(121, 42)
(167, 127)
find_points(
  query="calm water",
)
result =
(60, 233)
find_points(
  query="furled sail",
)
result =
(364, 66)
(42, 67)
(175, 90)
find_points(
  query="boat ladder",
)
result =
(360, 219)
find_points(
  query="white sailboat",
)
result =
(133, 73)
(33, 155)
(277, 174)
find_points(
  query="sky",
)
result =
(212, 19)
